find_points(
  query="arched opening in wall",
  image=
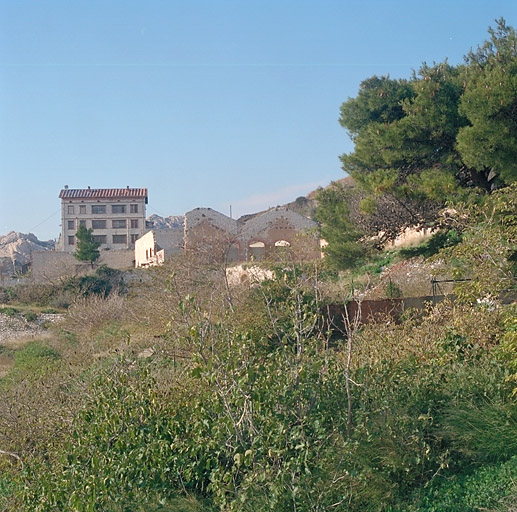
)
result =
(256, 251)
(232, 254)
(282, 249)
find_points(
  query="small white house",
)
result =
(156, 245)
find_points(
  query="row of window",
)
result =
(101, 209)
(102, 239)
(102, 224)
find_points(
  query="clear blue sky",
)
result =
(205, 103)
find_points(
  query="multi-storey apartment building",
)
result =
(116, 215)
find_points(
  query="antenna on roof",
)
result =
(231, 212)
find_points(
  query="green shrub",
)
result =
(482, 431)
(376, 264)
(258, 416)
(30, 316)
(6, 294)
(102, 283)
(7, 488)
(122, 444)
(33, 294)
(10, 311)
(487, 488)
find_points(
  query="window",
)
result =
(70, 209)
(82, 208)
(119, 239)
(134, 238)
(98, 224)
(133, 208)
(98, 208)
(134, 223)
(257, 251)
(117, 224)
(71, 240)
(71, 224)
(82, 223)
(118, 208)
(100, 239)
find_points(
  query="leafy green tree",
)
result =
(442, 136)
(489, 143)
(333, 214)
(87, 247)
(404, 160)
(402, 129)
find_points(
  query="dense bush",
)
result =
(491, 487)
(261, 418)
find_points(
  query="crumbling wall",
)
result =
(50, 266)
(211, 235)
(117, 259)
(224, 239)
(170, 240)
(281, 229)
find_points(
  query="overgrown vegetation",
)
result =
(60, 295)
(212, 398)
(188, 394)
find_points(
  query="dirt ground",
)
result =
(413, 278)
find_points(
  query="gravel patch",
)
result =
(16, 327)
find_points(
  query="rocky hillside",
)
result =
(16, 249)
(170, 222)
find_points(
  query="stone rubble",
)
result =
(16, 327)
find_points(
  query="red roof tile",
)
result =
(103, 193)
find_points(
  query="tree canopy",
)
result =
(446, 127)
(488, 143)
(446, 134)
(337, 226)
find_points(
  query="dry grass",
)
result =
(89, 313)
(417, 338)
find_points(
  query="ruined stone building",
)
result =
(116, 215)
(213, 236)
(279, 230)
(210, 234)
(255, 238)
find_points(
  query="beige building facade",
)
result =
(116, 216)
(156, 245)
